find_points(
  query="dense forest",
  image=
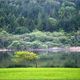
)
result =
(21, 16)
(26, 24)
(29, 16)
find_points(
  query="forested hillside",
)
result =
(35, 22)
(39, 24)
(21, 16)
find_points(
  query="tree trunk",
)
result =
(36, 63)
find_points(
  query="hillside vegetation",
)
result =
(39, 21)
(21, 16)
(40, 24)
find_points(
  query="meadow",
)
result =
(39, 73)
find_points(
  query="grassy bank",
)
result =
(40, 74)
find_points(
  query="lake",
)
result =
(52, 57)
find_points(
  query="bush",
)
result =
(23, 57)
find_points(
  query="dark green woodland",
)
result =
(31, 24)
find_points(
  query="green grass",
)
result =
(39, 73)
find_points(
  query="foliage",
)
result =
(24, 55)
(43, 24)
(32, 40)
(24, 58)
(19, 17)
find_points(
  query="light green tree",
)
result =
(21, 56)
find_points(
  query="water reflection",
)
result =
(5, 59)
(46, 59)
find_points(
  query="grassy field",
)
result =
(39, 73)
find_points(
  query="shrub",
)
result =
(24, 56)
